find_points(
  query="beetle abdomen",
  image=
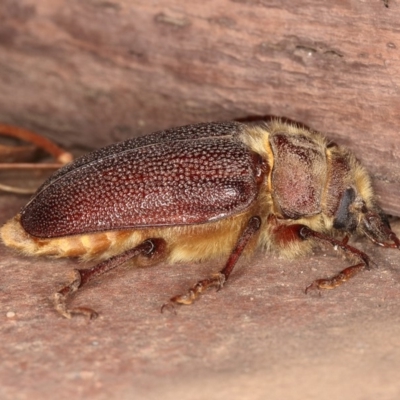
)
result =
(85, 246)
(184, 243)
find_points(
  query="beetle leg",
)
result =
(344, 275)
(218, 280)
(148, 248)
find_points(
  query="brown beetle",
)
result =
(199, 192)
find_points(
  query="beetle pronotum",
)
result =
(204, 191)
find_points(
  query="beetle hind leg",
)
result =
(150, 248)
(217, 280)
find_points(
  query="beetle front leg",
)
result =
(148, 248)
(342, 276)
(283, 234)
(221, 277)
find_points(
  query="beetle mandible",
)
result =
(203, 191)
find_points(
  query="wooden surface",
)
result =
(94, 72)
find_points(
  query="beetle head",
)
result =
(353, 214)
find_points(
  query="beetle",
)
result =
(203, 191)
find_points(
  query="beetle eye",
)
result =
(344, 219)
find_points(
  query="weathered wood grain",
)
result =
(89, 73)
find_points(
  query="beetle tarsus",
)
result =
(60, 299)
(60, 304)
(149, 248)
(337, 280)
(194, 292)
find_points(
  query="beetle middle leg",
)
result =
(150, 248)
(218, 280)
